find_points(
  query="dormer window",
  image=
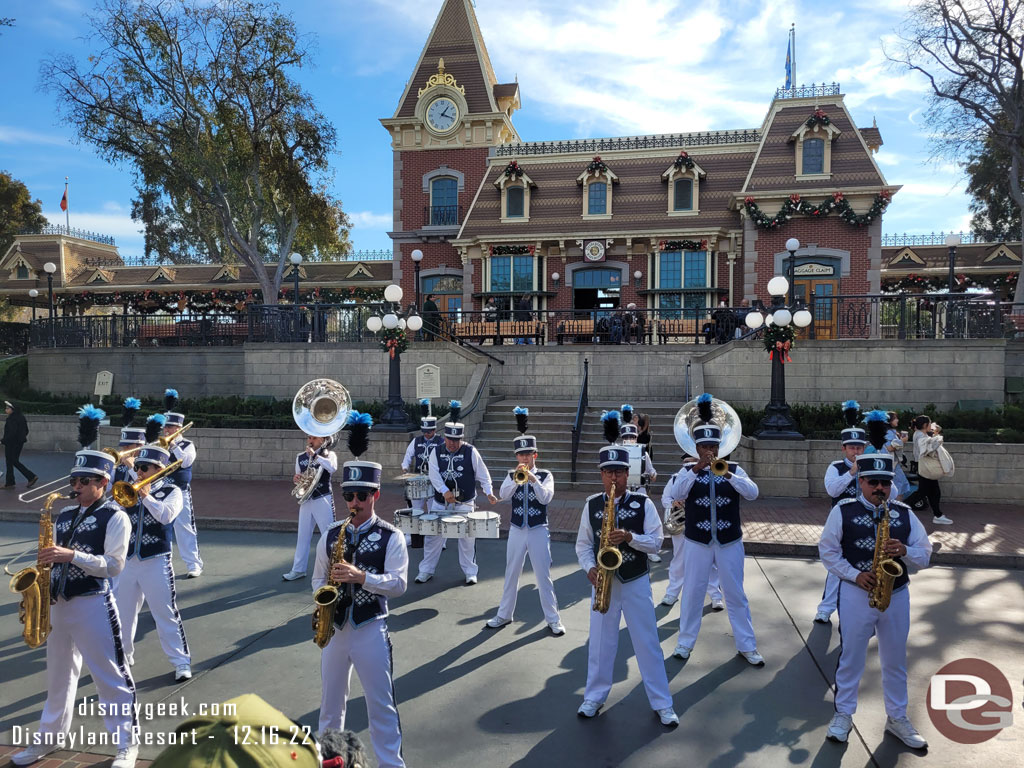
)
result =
(514, 187)
(813, 141)
(514, 202)
(597, 181)
(683, 177)
(21, 272)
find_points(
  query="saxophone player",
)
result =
(846, 548)
(637, 534)
(318, 509)
(375, 568)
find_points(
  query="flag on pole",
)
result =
(789, 64)
(64, 201)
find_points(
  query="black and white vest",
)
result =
(421, 451)
(370, 548)
(852, 488)
(457, 466)
(701, 525)
(67, 579)
(860, 528)
(323, 485)
(181, 477)
(630, 513)
(525, 498)
(149, 536)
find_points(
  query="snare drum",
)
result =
(483, 524)
(418, 487)
(455, 526)
(430, 525)
(404, 521)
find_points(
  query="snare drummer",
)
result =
(418, 451)
(455, 469)
(319, 507)
(528, 532)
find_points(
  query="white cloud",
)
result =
(370, 220)
(120, 226)
(13, 135)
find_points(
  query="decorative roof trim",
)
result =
(165, 273)
(1003, 251)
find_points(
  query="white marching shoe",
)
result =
(31, 754)
(753, 658)
(840, 727)
(496, 621)
(589, 708)
(822, 617)
(556, 628)
(668, 717)
(682, 652)
(717, 604)
(182, 672)
(126, 757)
(293, 575)
(904, 730)
(423, 578)
(669, 599)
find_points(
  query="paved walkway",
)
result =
(982, 534)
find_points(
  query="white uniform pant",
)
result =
(857, 623)
(151, 580)
(421, 504)
(830, 597)
(730, 560)
(432, 545)
(537, 543)
(88, 628)
(368, 649)
(316, 511)
(185, 535)
(675, 572)
(633, 601)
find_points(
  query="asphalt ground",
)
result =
(469, 697)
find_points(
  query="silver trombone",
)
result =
(40, 491)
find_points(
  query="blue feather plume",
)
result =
(170, 399)
(132, 402)
(425, 401)
(519, 409)
(522, 418)
(455, 412)
(704, 407)
(154, 426)
(705, 398)
(90, 411)
(877, 424)
(610, 424)
(851, 404)
(359, 432)
(89, 418)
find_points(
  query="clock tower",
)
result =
(452, 111)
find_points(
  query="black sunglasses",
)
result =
(874, 482)
(142, 466)
(363, 495)
(79, 481)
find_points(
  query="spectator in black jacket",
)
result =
(15, 437)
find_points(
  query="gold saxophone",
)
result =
(34, 583)
(884, 568)
(329, 595)
(609, 558)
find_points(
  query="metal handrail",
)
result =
(581, 409)
(479, 392)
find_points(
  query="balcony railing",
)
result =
(661, 141)
(966, 238)
(59, 229)
(156, 261)
(442, 215)
(808, 91)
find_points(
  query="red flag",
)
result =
(64, 201)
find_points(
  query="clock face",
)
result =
(594, 250)
(442, 114)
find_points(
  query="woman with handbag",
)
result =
(927, 444)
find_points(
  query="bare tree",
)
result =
(230, 154)
(971, 51)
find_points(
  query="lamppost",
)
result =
(792, 245)
(296, 260)
(394, 410)
(778, 423)
(49, 267)
(952, 241)
(33, 293)
(417, 257)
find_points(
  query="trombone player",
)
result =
(318, 506)
(185, 534)
(148, 575)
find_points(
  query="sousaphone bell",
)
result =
(320, 408)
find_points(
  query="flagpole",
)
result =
(792, 58)
(67, 209)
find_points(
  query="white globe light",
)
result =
(49, 267)
(754, 320)
(555, 275)
(373, 323)
(638, 274)
(792, 244)
(393, 293)
(769, 320)
(295, 259)
(390, 320)
(778, 286)
(33, 293)
(401, 323)
(782, 317)
(417, 255)
(802, 318)
(415, 323)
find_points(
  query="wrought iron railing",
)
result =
(808, 91)
(14, 338)
(661, 141)
(581, 410)
(59, 229)
(966, 238)
(442, 215)
(157, 261)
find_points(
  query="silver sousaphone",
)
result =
(687, 417)
(320, 408)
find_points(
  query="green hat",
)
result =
(256, 735)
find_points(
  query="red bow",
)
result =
(334, 762)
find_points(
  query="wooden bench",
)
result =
(193, 332)
(477, 331)
(679, 327)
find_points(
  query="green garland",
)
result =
(683, 245)
(394, 341)
(512, 250)
(683, 160)
(818, 118)
(836, 203)
(779, 340)
(914, 283)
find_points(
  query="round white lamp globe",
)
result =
(802, 318)
(792, 245)
(373, 323)
(754, 320)
(393, 293)
(778, 286)
(295, 258)
(414, 323)
(417, 255)
(782, 317)
(555, 275)
(401, 323)
(49, 267)
(33, 293)
(638, 274)
(769, 320)
(390, 320)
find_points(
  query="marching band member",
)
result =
(713, 536)
(528, 531)
(638, 533)
(847, 547)
(419, 448)
(185, 534)
(148, 575)
(319, 507)
(676, 568)
(841, 483)
(628, 434)
(375, 568)
(455, 469)
(131, 437)
(90, 541)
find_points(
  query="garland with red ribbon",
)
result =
(394, 341)
(778, 340)
(836, 203)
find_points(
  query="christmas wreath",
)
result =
(818, 118)
(683, 161)
(513, 170)
(597, 166)
(836, 203)
(778, 340)
(394, 341)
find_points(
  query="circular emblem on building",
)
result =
(594, 251)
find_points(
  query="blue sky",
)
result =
(585, 68)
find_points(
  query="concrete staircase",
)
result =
(552, 421)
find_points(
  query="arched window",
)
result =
(444, 202)
(22, 272)
(514, 202)
(683, 198)
(814, 156)
(597, 197)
